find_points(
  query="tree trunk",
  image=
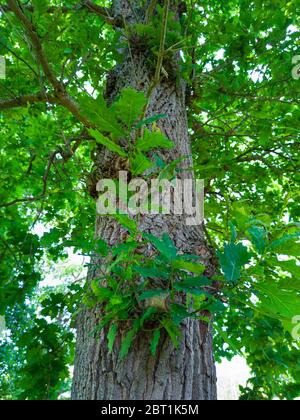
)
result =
(188, 372)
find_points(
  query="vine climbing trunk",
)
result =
(173, 374)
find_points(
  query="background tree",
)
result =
(218, 74)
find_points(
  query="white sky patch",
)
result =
(219, 55)
(292, 29)
(208, 67)
(201, 40)
(90, 90)
(2, 67)
(258, 74)
(40, 229)
(2, 326)
(56, 276)
(232, 375)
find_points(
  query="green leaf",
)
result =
(153, 140)
(102, 293)
(282, 304)
(111, 336)
(154, 342)
(195, 282)
(148, 294)
(127, 222)
(151, 272)
(130, 106)
(286, 245)
(189, 266)
(40, 6)
(147, 315)
(179, 313)
(258, 237)
(139, 164)
(234, 234)
(116, 300)
(232, 260)
(150, 120)
(105, 141)
(128, 340)
(102, 247)
(195, 291)
(165, 246)
(125, 248)
(172, 330)
(104, 118)
(192, 285)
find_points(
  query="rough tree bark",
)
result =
(182, 374)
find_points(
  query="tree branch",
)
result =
(91, 7)
(36, 44)
(22, 101)
(60, 93)
(21, 200)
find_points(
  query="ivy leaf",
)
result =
(105, 141)
(194, 291)
(147, 315)
(194, 282)
(197, 281)
(232, 260)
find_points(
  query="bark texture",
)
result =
(182, 374)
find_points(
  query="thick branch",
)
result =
(36, 44)
(60, 94)
(23, 101)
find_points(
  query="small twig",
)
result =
(20, 59)
(52, 160)
(150, 11)
(162, 41)
(160, 59)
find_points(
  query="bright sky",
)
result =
(230, 376)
